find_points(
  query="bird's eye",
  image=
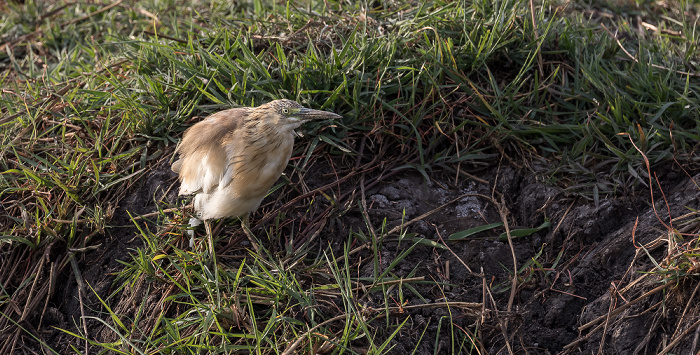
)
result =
(285, 111)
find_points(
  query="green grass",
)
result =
(94, 98)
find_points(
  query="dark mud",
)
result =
(584, 261)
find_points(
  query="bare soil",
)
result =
(584, 262)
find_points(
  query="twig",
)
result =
(651, 188)
(291, 348)
(685, 310)
(469, 305)
(675, 341)
(388, 283)
(611, 307)
(360, 151)
(625, 306)
(81, 291)
(169, 210)
(427, 214)
(503, 212)
(364, 210)
(651, 27)
(458, 258)
(166, 37)
(563, 218)
(611, 314)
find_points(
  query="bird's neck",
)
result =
(262, 134)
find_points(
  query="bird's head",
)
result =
(290, 113)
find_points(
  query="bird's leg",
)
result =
(245, 223)
(210, 239)
(194, 222)
(212, 252)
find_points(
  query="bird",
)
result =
(231, 159)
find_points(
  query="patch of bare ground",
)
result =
(585, 284)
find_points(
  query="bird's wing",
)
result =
(203, 163)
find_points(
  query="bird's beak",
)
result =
(306, 114)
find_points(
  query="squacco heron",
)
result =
(230, 159)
